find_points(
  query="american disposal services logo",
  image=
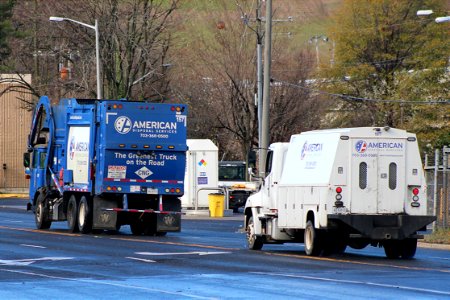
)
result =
(361, 146)
(123, 125)
(310, 148)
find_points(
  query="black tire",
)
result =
(408, 248)
(312, 240)
(85, 215)
(72, 214)
(150, 225)
(41, 213)
(253, 242)
(392, 249)
(334, 243)
(137, 227)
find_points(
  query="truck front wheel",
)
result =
(41, 214)
(72, 214)
(85, 215)
(254, 242)
(312, 240)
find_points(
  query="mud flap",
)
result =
(104, 219)
(170, 222)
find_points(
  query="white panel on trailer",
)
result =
(78, 153)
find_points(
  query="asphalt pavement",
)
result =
(18, 201)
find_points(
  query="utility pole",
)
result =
(259, 76)
(266, 92)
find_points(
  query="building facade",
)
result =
(15, 122)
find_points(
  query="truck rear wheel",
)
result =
(408, 248)
(392, 249)
(137, 227)
(85, 215)
(41, 214)
(312, 240)
(253, 242)
(72, 214)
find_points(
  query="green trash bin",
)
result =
(216, 205)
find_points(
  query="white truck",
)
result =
(330, 189)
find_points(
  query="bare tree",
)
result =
(134, 39)
(223, 96)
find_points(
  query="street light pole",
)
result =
(97, 47)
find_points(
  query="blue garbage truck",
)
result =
(101, 164)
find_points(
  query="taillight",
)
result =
(415, 197)
(338, 197)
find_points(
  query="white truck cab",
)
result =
(342, 187)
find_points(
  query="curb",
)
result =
(3, 196)
(433, 246)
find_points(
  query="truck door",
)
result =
(269, 178)
(38, 169)
(391, 177)
(378, 176)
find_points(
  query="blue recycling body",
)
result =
(131, 147)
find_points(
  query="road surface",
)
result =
(207, 260)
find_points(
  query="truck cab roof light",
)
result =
(344, 137)
(171, 147)
(411, 139)
(122, 145)
(133, 146)
(146, 146)
(158, 147)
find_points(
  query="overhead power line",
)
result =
(362, 99)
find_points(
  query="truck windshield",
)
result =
(232, 173)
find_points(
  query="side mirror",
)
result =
(26, 159)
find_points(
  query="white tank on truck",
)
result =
(330, 189)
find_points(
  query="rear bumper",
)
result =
(384, 227)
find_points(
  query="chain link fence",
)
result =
(437, 173)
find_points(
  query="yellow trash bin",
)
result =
(216, 202)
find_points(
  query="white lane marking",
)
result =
(182, 253)
(109, 284)
(356, 282)
(437, 257)
(33, 246)
(4, 262)
(28, 261)
(141, 259)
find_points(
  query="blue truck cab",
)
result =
(101, 164)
